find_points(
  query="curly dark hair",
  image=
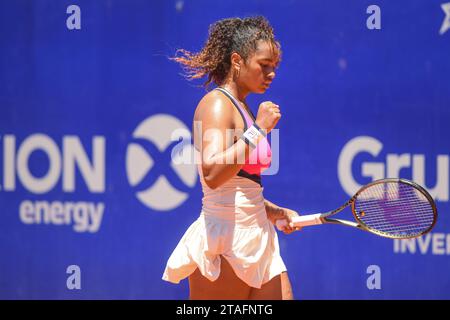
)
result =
(225, 37)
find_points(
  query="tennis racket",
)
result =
(392, 208)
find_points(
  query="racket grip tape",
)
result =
(301, 221)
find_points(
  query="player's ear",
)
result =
(236, 62)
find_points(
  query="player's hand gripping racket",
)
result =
(392, 208)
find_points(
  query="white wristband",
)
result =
(253, 135)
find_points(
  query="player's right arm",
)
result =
(221, 157)
(213, 117)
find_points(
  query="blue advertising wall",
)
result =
(87, 184)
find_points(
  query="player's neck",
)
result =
(238, 92)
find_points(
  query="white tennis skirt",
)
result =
(233, 224)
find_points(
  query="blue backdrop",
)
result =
(90, 204)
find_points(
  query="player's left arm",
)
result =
(275, 212)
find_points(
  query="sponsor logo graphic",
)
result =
(155, 169)
(63, 163)
(446, 23)
(389, 167)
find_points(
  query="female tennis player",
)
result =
(231, 251)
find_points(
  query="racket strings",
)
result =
(402, 220)
(394, 208)
(399, 215)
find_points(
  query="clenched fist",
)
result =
(268, 115)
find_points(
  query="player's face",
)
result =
(259, 71)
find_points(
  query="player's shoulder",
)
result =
(215, 97)
(214, 103)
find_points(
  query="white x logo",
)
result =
(446, 23)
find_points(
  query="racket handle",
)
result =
(301, 221)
